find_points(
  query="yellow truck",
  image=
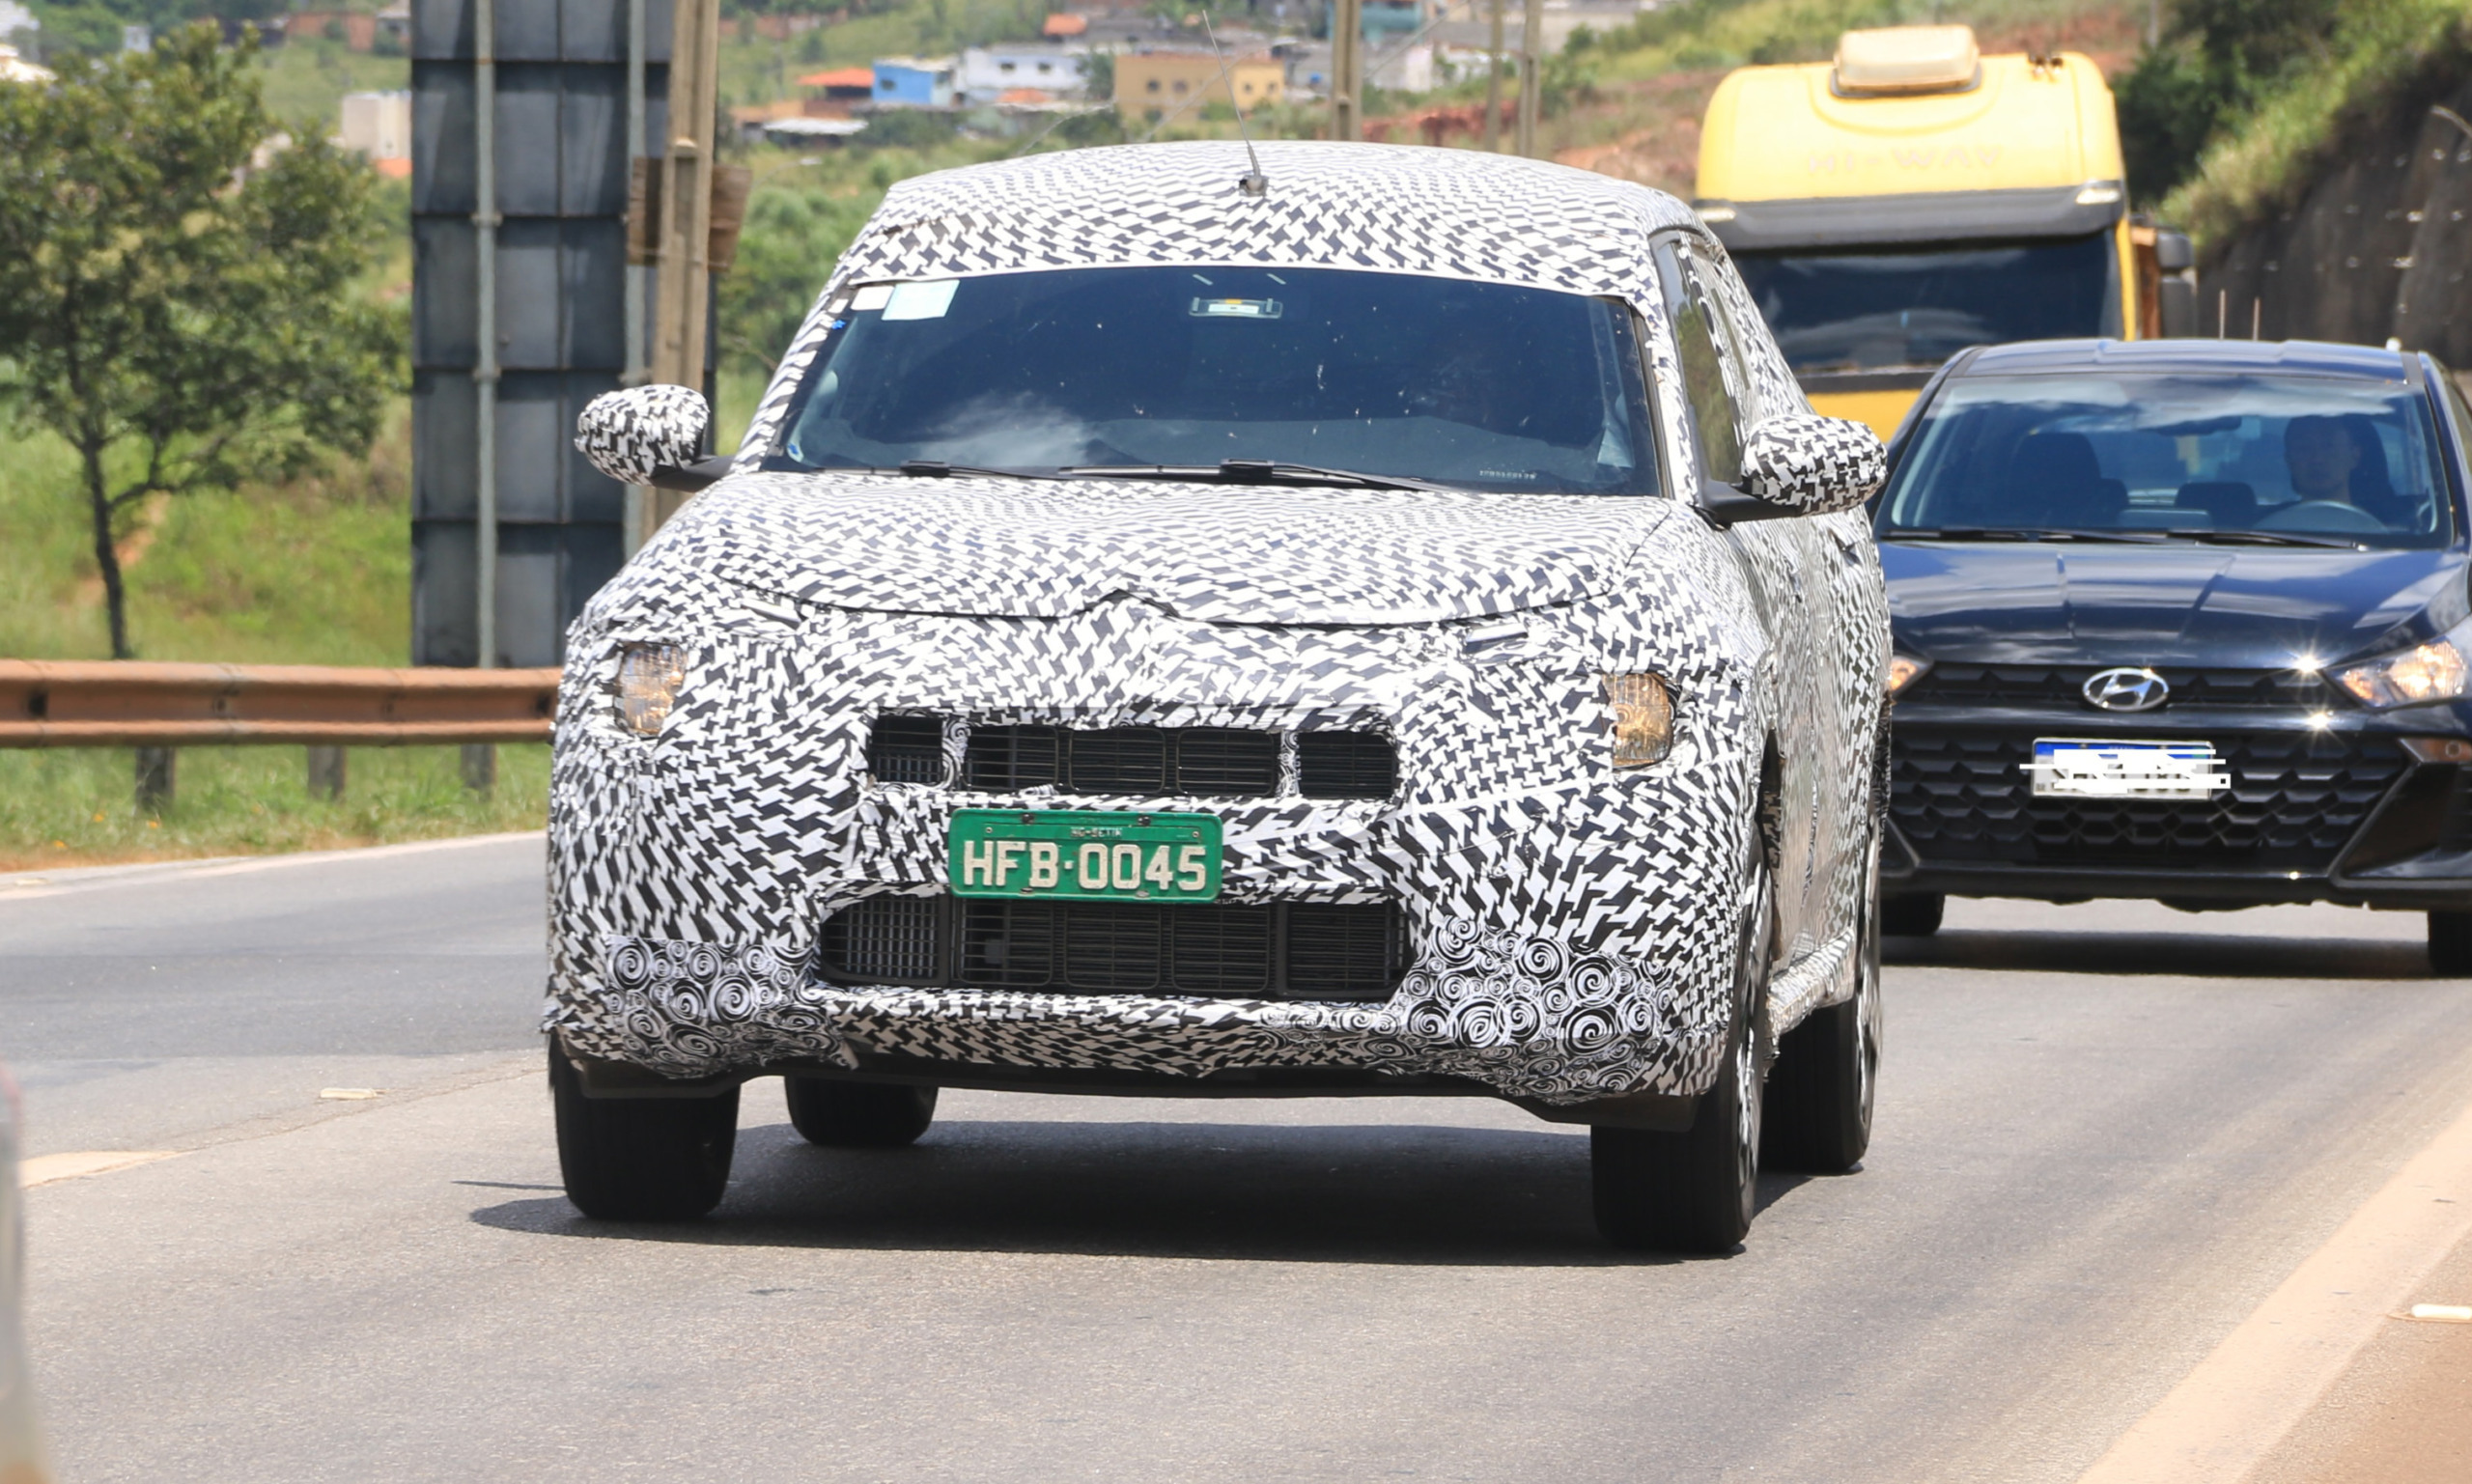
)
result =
(1914, 197)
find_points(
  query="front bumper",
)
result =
(2325, 806)
(1568, 933)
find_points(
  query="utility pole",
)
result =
(1347, 66)
(682, 283)
(1493, 86)
(1531, 37)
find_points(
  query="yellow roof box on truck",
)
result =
(1904, 60)
(2035, 134)
(1913, 197)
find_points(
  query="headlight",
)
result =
(1642, 718)
(1904, 670)
(648, 681)
(2435, 671)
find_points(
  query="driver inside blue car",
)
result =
(2340, 460)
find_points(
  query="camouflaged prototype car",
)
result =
(1386, 625)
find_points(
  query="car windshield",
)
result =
(1910, 311)
(2267, 460)
(1474, 385)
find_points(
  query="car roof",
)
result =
(1457, 212)
(2305, 357)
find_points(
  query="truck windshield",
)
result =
(2247, 459)
(1479, 386)
(1911, 310)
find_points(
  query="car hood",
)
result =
(1218, 553)
(2237, 607)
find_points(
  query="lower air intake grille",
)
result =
(887, 940)
(1300, 951)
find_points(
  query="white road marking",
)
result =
(30, 888)
(2228, 1415)
(45, 1168)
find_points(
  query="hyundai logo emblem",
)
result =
(2126, 689)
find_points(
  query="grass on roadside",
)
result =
(72, 806)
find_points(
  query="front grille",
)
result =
(1299, 951)
(1963, 797)
(1141, 761)
(1346, 764)
(2064, 686)
(906, 749)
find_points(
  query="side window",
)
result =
(1712, 375)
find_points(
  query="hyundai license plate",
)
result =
(2089, 767)
(1084, 853)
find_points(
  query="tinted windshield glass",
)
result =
(1476, 385)
(1893, 311)
(2338, 461)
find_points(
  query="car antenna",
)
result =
(1253, 182)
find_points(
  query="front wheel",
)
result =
(1696, 1191)
(2451, 944)
(1821, 1089)
(641, 1158)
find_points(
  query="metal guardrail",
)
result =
(140, 704)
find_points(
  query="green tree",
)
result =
(787, 249)
(176, 289)
(2218, 58)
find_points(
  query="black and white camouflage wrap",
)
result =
(1821, 464)
(634, 432)
(1572, 925)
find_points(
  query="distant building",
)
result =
(913, 82)
(380, 125)
(989, 72)
(831, 94)
(358, 30)
(15, 17)
(1063, 25)
(1151, 85)
(13, 70)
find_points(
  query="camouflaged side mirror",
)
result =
(1813, 465)
(650, 435)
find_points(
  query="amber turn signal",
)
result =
(649, 676)
(1642, 718)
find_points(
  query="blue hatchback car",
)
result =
(2184, 620)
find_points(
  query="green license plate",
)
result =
(1084, 853)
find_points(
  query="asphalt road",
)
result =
(2105, 1132)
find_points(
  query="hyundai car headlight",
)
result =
(2435, 671)
(1642, 718)
(649, 676)
(1904, 670)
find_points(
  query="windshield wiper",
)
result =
(1989, 533)
(1249, 471)
(915, 468)
(938, 469)
(2243, 537)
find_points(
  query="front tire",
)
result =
(1696, 1191)
(2451, 944)
(857, 1115)
(641, 1158)
(1820, 1091)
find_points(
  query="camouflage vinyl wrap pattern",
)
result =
(1571, 925)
